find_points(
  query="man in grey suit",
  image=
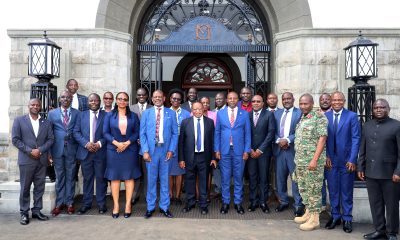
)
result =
(141, 96)
(379, 166)
(262, 136)
(33, 136)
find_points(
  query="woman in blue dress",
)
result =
(121, 129)
(175, 172)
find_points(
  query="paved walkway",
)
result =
(99, 227)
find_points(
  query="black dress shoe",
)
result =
(264, 207)
(375, 235)
(135, 201)
(83, 210)
(224, 208)
(252, 207)
(391, 237)
(115, 215)
(281, 207)
(188, 208)
(148, 214)
(166, 213)
(204, 211)
(24, 219)
(178, 201)
(40, 216)
(127, 215)
(239, 209)
(102, 210)
(299, 211)
(332, 223)
(347, 226)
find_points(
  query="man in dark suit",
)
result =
(88, 132)
(286, 120)
(158, 140)
(33, 137)
(191, 98)
(232, 146)
(341, 150)
(63, 152)
(196, 150)
(141, 96)
(262, 135)
(379, 165)
(79, 102)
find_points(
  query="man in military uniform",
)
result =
(311, 134)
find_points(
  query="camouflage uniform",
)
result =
(308, 131)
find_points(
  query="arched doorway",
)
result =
(199, 27)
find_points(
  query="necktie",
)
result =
(198, 141)
(65, 119)
(94, 125)
(282, 127)
(256, 118)
(232, 119)
(335, 125)
(141, 108)
(158, 124)
(272, 110)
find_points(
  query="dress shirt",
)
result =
(75, 101)
(195, 120)
(142, 105)
(272, 109)
(340, 114)
(219, 109)
(259, 113)
(68, 112)
(91, 126)
(288, 122)
(161, 128)
(35, 124)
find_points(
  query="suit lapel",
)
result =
(99, 118)
(41, 123)
(29, 124)
(343, 118)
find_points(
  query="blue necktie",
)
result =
(198, 141)
(335, 125)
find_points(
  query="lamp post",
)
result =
(360, 66)
(44, 64)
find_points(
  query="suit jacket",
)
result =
(187, 141)
(83, 102)
(23, 138)
(241, 132)
(263, 134)
(82, 134)
(61, 134)
(186, 106)
(296, 115)
(136, 109)
(148, 131)
(380, 149)
(347, 138)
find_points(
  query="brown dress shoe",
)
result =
(56, 211)
(70, 209)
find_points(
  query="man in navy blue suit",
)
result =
(232, 144)
(33, 136)
(342, 151)
(286, 120)
(88, 132)
(158, 140)
(63, 152)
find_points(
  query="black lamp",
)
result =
(360, 66)
(44, 64)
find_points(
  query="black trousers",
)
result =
(258, 170)
(198, 167)
(384, 193)
(36, 174)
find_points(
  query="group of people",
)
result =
(191, 144)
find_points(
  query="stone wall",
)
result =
(312, 61)
(99, 59)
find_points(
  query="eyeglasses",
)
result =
(122, 99)
(255, 101)
(176, 99)
(108, 98)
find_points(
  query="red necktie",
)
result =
(158, 124)
(66, 119)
